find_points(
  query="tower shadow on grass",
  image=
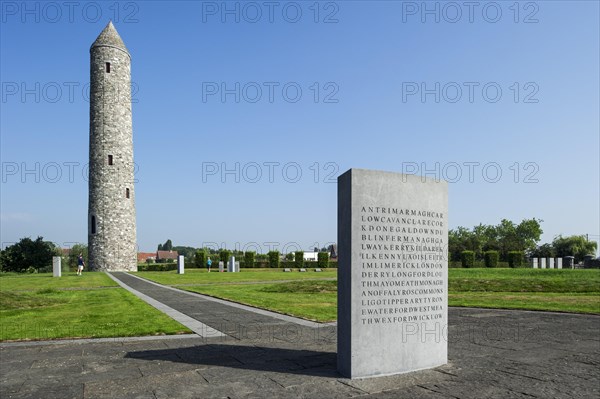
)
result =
(257, 358)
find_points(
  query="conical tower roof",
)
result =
(110, 37)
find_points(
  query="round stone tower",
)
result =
(112, 242)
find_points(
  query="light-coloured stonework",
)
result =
(111, 211)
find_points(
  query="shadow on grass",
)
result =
(257, 358)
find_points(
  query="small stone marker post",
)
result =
(550, 263)
(237, 267)
(542, 263)
(231, 264)
(534, 263)
(180, 264)
(56, 266)
(559, 263)
(392, 273)
(221, 267)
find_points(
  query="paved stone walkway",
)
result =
(492, 354)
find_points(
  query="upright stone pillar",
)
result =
(559, 263)
(56, 266)
(542, 263)
(180, 264)
(231, 264)
(534, 263)
(550, 263)
(392, 273)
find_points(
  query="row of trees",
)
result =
(577, 246)
(505, 237)
(28, 255)
(31, 256)
(509, 238)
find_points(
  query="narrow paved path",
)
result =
(236, 321)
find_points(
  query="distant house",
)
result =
(311, 256)
(142, 257)
(166, 255)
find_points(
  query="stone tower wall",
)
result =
(112, 241)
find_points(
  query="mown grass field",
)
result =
(39, 307)
(576, 291)
(311, 300)
(201, 276)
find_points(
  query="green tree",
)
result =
(544, 251)
(528, 234)
(249, 258)
(188, 252)
(504, 238)
(28, 253)
(200, 258)
(577, 246)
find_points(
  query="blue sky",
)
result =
(501, 99)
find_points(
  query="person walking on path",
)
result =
(208, 264)
(80, 264)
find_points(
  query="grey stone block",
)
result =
(180, 264)
(392, 273)
(56, 266)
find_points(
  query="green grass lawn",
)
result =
(312, 300)
(548, 301)
(38, 307)
(523, 280)
(18, 282)
(201, 276)
(576, 291)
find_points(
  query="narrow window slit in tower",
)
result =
(126, 193)
(110, 159)
(108, 67)
(93, 224)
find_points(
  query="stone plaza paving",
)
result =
(492, 354)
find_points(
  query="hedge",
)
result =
(224, 256)
(516, 259)
(467, 259)
(491, 258)
(157, 267)
(322, 260)
(299, 259)
(273, 258)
